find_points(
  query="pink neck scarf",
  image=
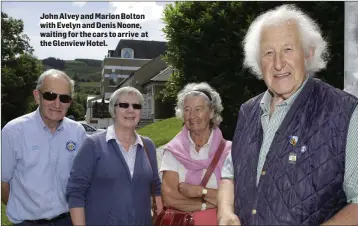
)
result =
(179, 147)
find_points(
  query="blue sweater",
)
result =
(100, 182)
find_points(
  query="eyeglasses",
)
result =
(50, 96)
(126, 105)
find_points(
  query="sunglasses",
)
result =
(126, 105)
(50, 96)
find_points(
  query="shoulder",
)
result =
(73, 125)
(18, 123)
(97, 137)
(147, 141)
(252, 102)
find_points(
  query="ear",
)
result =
(310, 53)
(36, 94)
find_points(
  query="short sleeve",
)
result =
(227, 171)
(351, 171)
(169, 163)
(8, 153)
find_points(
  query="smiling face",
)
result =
(127, 117)
(197, 113)
(53, 111)
(282, 59)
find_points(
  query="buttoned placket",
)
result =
(53, 161)
(267, 125)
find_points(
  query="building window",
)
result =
(127, 53)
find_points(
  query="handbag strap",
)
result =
(154, 206)
(213, 163)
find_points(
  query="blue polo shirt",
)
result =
(37, 164)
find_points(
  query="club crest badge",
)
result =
(293, 140)
(71, 146)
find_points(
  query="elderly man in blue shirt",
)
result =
(37, 154)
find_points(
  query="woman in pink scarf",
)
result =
(187, 157)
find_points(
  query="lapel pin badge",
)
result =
(303, 149)
(292, 158)
(293, 140)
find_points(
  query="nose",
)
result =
(279, 62)
(57, 102)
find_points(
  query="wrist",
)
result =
(199, 191)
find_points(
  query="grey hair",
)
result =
(52, 72)
(309, 31)
(120, 92)
(191, 89)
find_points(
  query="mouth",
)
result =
(282, 75)
(129, 118)
(58, 111)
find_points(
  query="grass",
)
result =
(160, 132)
(4, 220)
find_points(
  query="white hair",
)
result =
(120, 92)
(53, 72)
(196, 89)
(310, 36)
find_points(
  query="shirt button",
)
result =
(263, 172)
(254, 211)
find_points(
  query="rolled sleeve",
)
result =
(8, 153)
(81, 174)
(227, 171)
(169, 163)
(351, 171)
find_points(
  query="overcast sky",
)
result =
(30, 13)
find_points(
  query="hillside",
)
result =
(81, 70)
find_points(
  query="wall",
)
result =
(351, 43)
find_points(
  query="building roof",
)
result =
(148, 70)
(142, 49)
(164, 75)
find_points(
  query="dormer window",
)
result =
(127, 53)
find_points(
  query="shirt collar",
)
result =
(41, 123)
(267, 97)
(111, 135)
(209, 140)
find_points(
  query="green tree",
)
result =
(204, 45)
(19, 70)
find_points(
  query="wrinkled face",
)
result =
(282, 59)
(197, 113)
(125, 115)
(53, 110)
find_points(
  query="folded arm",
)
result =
(173, 198)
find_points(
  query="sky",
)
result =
(30, 13)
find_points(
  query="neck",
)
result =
(200, 137)
(50, 124)
(125, 135)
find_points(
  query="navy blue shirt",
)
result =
(100, 181)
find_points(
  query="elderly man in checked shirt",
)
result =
(37, 154)
(294, 158)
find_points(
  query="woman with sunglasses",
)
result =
(112, 175)
(192, 161)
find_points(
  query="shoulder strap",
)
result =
(154, 206)
(213, 163)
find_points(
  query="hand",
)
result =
(228, 219)
(189, 190)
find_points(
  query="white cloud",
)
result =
(79, 4)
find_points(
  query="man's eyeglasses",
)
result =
(50, 96)
(126, 105)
